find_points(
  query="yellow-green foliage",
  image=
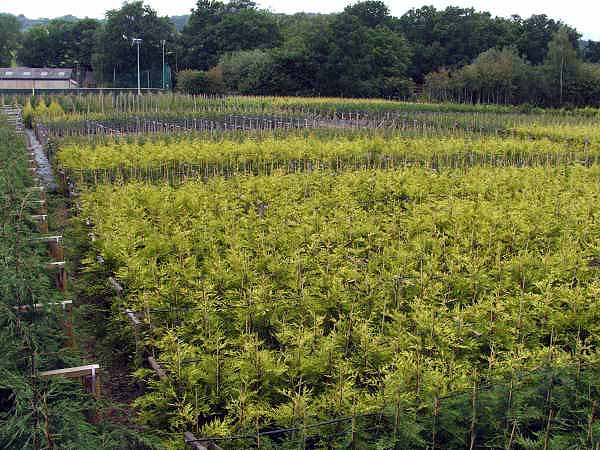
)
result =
(307, 275)
(580, 133)
(307, 296)
(41, 110)
(28, 114)
(263, 155)
(55, 110)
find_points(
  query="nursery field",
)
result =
(291, 299)
(392, 276)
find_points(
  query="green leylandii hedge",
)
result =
(37, 413)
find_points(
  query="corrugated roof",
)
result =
(27, 73)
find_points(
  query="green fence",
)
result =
(152, 78)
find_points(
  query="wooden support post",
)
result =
(40, 189)
(116, 286)
(61, 279)
(67, 322)
(57, 251)
(56, 248)
(41, 206)
(42, 220)
(63, 182)
(132, 315)
(61, 275)
(162, 375)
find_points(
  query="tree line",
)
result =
(457, 54)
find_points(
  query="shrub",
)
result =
(28, 114)
(396, 87)
(55, 110)
(41, 109)
(200, 82)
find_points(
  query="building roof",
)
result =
(27, 73)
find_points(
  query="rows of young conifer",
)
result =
(283, 301)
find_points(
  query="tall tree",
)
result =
(354, 53)
(115, 52)
(536, 33)
(37, 49)
(591, 52)
(356, 59)
(9, 38)
(247, 71)
(82, 40)
(371, 13)
(561, 63)
(452, 37)
(216, 28)
(296, 27)
(59, 44)
(498, 76)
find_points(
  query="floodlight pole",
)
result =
(138, 42)
(163, 64)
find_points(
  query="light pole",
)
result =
(163, 65)
(138, 41)
(77, 73)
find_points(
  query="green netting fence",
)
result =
(152, 78)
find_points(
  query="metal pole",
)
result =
(138, 67)
(163, 64)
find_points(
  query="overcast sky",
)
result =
(582, 14)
